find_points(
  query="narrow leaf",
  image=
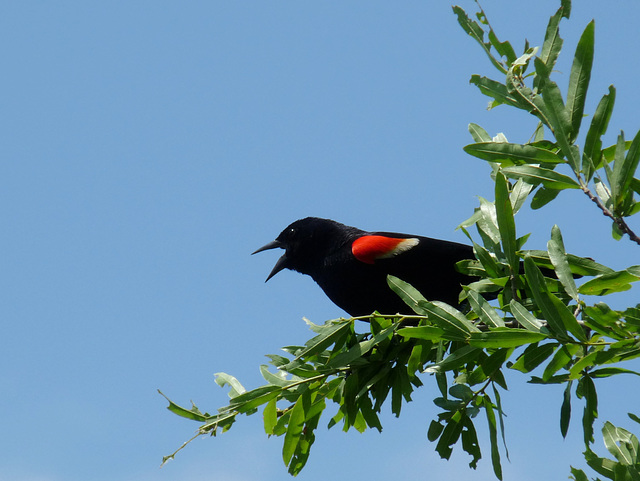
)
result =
(509, 154)
(504, 337)
(506, 222)
(294, 431)
(524, 317)
(409, 294)
(543, 196)
(565, 411)
(484, 310)
(623, 173)
(429, 333)
(560, 359)
(579, 79)
(579, 265)
(558, 115)
(590, 413)
(270, 416)
(193, 413)
(477, 33)
(456, 359)
(495, 90)
(478, 133)
(552, 41)
(519, 194)
(609, 283)
(449, 318)
(559, 317)
(533, 356)
(558, 258)
(493, 436)
(614, 438)
(593, 143)
(343, 359)
(539, 175)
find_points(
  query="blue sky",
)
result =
(150, 146)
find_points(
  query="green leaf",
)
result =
(488, 224)
(345, 358)
(434, 431)
(495, 90)
(609, 283)
(588, 391)
(279, 378)
(506, 222)
(623, 172)
(409, 294)
(593, 143)
(449, 319)
(470, 441)
(533, 356)
(462, 392)
(493, 436)
(552, 41)
(558, 257)
(450, 435)
(509, 154)
(565, 410)
(603, 466)
(561, 358)
(256, 397)
(429, 333)
(579, 79)
(193, 413)
(270, 416)
(504, 49)
(504, 337)
(294, 431)
(476, 32)
(484, 310)
(579, 474)
(557, 115)
(222, 379)
(369, 414)
(456, 359)
(519, 194)
(611, 371)
(478, 133)
(330, 333)
(486, 259)
(559, 317)
(489, 366)
(579, 265)
(543, 196)
(615, 439)
(539, 175)
(416, 359)
(524, 317)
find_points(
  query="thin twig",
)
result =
(622, 225)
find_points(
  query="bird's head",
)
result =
(307, 243)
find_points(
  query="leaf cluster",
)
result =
(526, 312)
(606, 175)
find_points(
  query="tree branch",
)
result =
(622, 225)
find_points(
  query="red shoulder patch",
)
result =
(369, 248)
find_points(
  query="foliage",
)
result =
(539, 319)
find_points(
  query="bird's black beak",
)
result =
(271, 245)
(282, 262)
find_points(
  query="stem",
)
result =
(622, 225)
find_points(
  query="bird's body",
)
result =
(351, 265)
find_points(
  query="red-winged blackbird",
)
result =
(351, 265)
